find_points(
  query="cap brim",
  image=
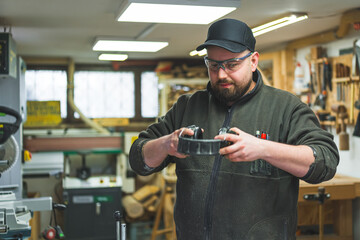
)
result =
(228, 45)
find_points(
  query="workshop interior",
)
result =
(71, 106)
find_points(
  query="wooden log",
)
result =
(145, 192)
(148, 203)
(133, 208)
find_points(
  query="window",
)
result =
(149, 95)
(98, 94)
(101, 94)
(47, 85)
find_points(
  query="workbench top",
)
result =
(340, 187)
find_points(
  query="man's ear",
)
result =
(254, 61)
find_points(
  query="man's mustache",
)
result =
(224, 82)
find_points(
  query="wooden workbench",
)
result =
(337, 209)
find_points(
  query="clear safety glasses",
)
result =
(230, 65)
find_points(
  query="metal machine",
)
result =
(90, 201)
(15, 211)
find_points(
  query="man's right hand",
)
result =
(155, 151)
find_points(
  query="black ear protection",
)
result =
(8, 129)
(197, 132)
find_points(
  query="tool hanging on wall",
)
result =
(356, 71)
(327, 75)
(314, 78)
(341, 113)
(357, 125)
(310, 74)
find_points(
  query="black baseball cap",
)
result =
(231, 34)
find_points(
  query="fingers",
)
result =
(184, 131)
(236, 130)
(175, 141)
(231, 136)
(235, 136)
(181, 133)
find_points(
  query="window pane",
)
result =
(47, 85)
(100, 94)
(149, 95)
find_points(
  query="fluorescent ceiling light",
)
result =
(198, 53)
(282, 22)
(270, 26)
(175, 11)
(128, 46)
(112, 57)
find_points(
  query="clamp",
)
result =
(321, 196)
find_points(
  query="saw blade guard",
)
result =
(9, 153)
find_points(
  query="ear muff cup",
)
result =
(8, 129)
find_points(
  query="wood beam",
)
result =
(347, 19)
(46, 61)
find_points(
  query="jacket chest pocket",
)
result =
(260, 167)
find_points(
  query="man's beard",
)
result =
(229, 96)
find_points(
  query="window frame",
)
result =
(137, 70)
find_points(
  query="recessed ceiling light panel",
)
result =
(175, 11)
(112, 57)
(128, 46)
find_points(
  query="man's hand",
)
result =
(155, 151)
(295, 160)
(244, 147)
(174, 141)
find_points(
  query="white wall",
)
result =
(350, 160)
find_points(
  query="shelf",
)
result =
(319, 60)
(346, 79)
(327, 123)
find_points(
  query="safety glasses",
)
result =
(230, 65)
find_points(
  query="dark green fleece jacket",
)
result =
(221, 200)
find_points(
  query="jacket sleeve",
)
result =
(165, 125)
(305, 129)
(137, 160)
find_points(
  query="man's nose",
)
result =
(222, 71)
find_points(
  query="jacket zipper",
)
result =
(210, 196)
